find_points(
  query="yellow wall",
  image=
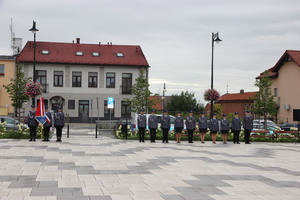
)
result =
(9, 70)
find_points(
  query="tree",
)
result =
(185, 101)
(141, 93)
(17, 89)
(264, 103)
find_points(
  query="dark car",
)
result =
(288, 126)
(122, 121)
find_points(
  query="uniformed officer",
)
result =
(32, 123)
(165, 126)
(190, 123)
(59, 123)
(152, 124)
(178, 126)
(142, 123)
(202, 125)
(47, 124)
(248, 126)
(236, 128)
(224, 128)
(214, 128)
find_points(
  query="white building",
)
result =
(80, 76)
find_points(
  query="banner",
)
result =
(40, 115)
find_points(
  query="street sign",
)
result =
(110, 102)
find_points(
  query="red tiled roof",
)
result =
(237, 96)
(158, 105)
(66, 53)
(288, 54)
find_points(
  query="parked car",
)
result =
(289, 126)
(11, 123)
(270, 128)
(122, 121)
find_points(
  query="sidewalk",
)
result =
(88, 168)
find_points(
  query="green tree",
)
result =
(17, 89)
(141, 93)
(264, 104)
(185, 101)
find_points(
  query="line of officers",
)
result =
(59, 123)
(214, 125)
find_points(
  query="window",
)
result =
(58, 78)
(45, 52)
(119, 54)
(79, 53)
(76, 79)
(125, 109)
(95, 54)
(275, 92)
(126, 83)
(108, 112)
(110, 80)
(71, 104)
(2, 70)
(41, 77)
(93, 79)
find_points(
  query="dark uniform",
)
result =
(32, 123)
(213, 126)
(152, 124)
(236, 129)
(142, 126)
(178, 124)
(47, 125)
(224, 126)
(59, 123)
(202, 124)
(248, 126)
(165, 126)
(190, 126)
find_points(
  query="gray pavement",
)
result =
(83, 167)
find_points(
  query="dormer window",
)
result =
(119, 54)
(79, 53)
(45, 52)
(95, 54)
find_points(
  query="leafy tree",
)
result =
(264, 103)
(185, 101)
(17, 89)
(141, 93)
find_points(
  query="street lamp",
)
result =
(214, 38)
(34, 30)
(164, 90)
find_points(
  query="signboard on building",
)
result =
(110, 102)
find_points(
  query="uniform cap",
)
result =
(224, 115)
(165, 110)
(60, 107)
(215, 114)
(191, 111)
(202, 112)
(236, 113)
(46, 107)
(247, 111)
(32, 106)
(153, 110)
(178, 111)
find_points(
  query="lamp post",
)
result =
(164, 90)
(215, 38)
(34, 30)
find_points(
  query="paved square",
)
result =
(83, 167)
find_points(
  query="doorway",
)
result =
(84, 111)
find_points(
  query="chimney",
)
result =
(242, 91)
(99, 43)
(77, 40)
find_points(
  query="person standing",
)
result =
(236, 128)
(178, 126)
(32, 123)
(59, 123)
(190, 123)
(202, 124)
(214, 128)
(165, 126)
(47, 124)
(152, 124)
(224, 128)
(142, 125)
(248, 126)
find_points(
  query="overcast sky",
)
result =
(175, 35)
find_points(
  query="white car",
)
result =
(11, 123)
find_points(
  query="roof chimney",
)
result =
(77, 40)
(242, 91)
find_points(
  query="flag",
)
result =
(40, 114)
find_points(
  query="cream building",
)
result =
(285, 77)
(7, 72)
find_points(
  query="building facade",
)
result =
(285, 76)
(7, 72)
(81, 77)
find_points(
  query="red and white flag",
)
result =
(40, 115)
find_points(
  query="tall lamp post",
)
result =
(34, 30)
(214, 38)
(164, 90)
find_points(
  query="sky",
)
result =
(175, 35)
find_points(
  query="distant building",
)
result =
(7, 72)
(237, 102)
(285, 77)
(81, 77)
(161, 102)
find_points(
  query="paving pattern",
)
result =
(85, 168)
